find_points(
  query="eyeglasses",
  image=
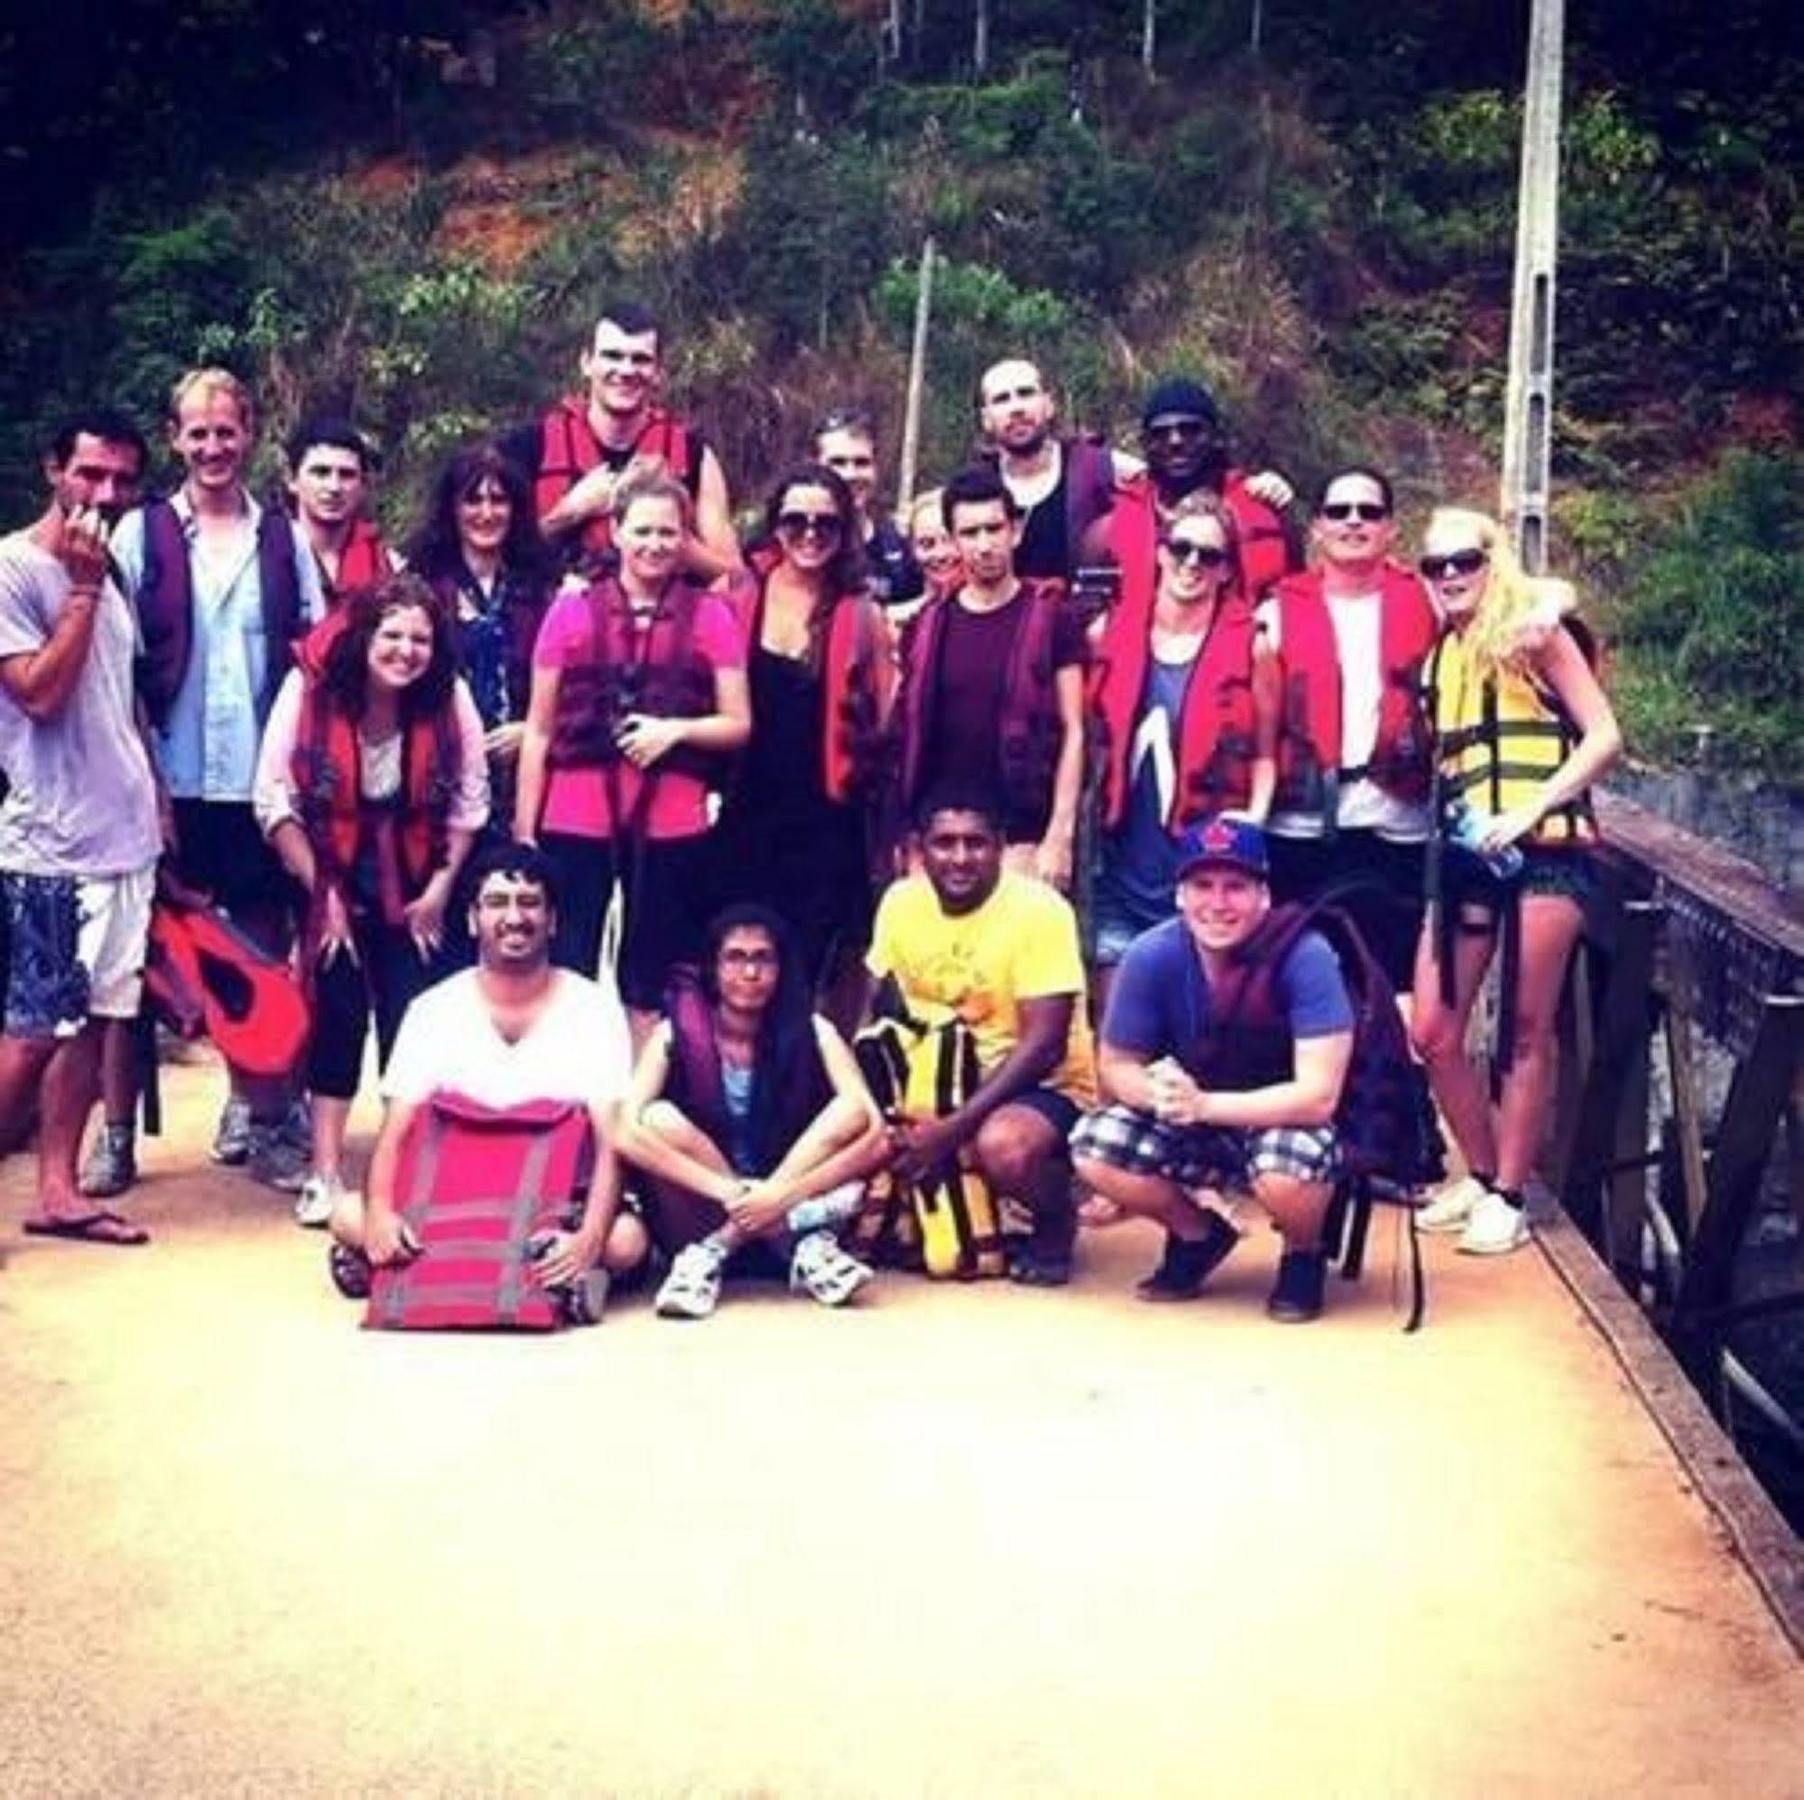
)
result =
(1457, 562)
(1367, 512)
(749, 959)
(825, 526)
(1188, 550)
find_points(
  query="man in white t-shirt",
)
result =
(510, 1031)
(1336, 677)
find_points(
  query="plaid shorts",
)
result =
(1203, 1155)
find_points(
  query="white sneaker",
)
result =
(1495, 1227)
(1452, 1205)
(825, 1272)
(692, 1288)
(314, 1203)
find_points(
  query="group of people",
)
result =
(1065, 757)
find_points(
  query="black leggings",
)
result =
(385, 978)
(669, 897)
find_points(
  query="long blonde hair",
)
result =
(1517, 611)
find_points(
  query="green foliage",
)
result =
(1712, 616)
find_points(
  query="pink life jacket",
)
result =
(476, 1183)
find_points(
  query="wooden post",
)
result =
(1148, 31)
(1528, 395)
(980, 40)
(917, 374)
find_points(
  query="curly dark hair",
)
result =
(436, 549)
(845, 574)
(346, 680)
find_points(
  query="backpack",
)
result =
(949, 1226)
(478, 1184)
(1386, 1128)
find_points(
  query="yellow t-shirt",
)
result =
(1021, 944)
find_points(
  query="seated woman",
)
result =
(754, 1123)
(1522, 733)
(797, 831)
(371, 785)
(638, 698)
(481, 550)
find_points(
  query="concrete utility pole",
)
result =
(917, 378)
(1528, 399)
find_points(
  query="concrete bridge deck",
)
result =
(957, 1541)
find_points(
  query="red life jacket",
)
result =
(165, 601)
(695, 1083)
(364, 562)
(328, 781)
(477, 1184)
(1089, 488)
(569, 449)
(1215, 735)
(1265, 557)
(1309, 726)
(858, 679)
(669, 678)
(1029, 728)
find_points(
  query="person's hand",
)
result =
(166, 829)
(1177, 1100)
(387, 1237)
(1097, 1212)
(928, 1147)
(78, 541)
(589, 495)
(643, 739)
(334, 929)
(568, 1257)
(503, 743)
(1052, 859)
(425, 916)
(1271, 487)
(1503, 830)
(757, 1207)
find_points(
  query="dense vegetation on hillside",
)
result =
(408, 211)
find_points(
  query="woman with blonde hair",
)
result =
(1523, 731)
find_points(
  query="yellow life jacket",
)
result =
(1498, 738)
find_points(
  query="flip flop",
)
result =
(99, 1227)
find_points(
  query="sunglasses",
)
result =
(825, 526)
(1458, 562)
(1181, 430)
(1367, 512)
(1188, 550)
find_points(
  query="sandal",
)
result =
(101, 1226)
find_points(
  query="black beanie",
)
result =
(1186, 399)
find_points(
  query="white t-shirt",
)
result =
(1364, 806)
(577, 1049)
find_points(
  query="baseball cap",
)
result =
(1225, 842)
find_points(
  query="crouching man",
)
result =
(999, 952)
(1224, 1071)
(508, 1033)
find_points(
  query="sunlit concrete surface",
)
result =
(956, 1541)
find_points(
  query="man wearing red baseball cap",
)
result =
(1223, 1066)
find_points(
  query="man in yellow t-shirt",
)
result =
(1001, 951)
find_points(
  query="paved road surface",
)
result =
(958, 1541)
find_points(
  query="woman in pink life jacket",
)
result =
(371, 787)
(639, 699)
(750, 1115)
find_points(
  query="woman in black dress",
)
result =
(796, 831)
